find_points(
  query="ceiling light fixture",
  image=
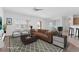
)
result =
(37, 9)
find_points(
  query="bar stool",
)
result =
(71, 31)
(77, 32)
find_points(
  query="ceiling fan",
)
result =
(37, 9)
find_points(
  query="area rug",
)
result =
(39, 46)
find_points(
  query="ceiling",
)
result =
(47, 12)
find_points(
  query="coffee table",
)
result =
(27, 39)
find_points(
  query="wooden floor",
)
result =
(6, 45)
(73, 45)
(72, 48)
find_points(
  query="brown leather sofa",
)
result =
(43, 35)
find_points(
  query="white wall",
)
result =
(21, 19)
(1, 11)
(67, 21)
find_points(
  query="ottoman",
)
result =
(27, 39)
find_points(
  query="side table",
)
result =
(60, 41)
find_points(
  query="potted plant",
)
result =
(4, 27)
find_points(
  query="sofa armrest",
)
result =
(50, 35)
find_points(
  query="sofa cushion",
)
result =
(40, 34)
(42, 30)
